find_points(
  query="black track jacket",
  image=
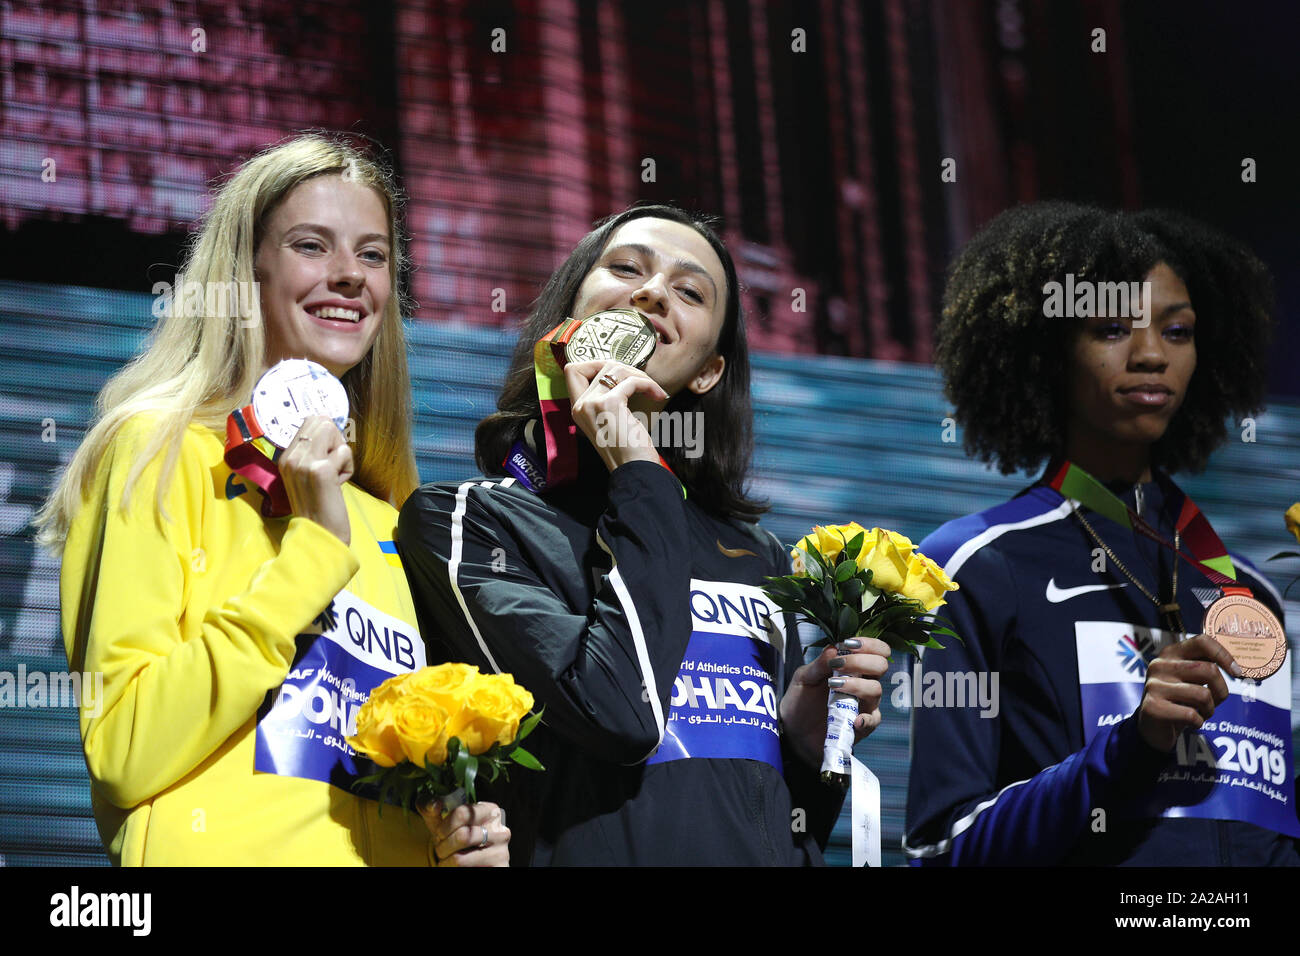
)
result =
(603, 599)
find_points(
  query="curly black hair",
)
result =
(1005, 362)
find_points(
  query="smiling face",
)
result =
(1126, 384)
(324, 273)
(670, 274)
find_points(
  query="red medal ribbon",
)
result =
(246, 458)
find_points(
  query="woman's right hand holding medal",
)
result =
(604, 391)
(1183, 688)
(314, 468)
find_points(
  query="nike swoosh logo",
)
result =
(734, 552)
(234, 488)
(1057, 595)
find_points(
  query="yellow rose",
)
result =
(377, 736)
(925, 582)
(491, 715)
(829, 540)
(522, 698)
(421, 723)
(1293, 520)
(446, 685)
(887, 554)
(444, 680)
(390, 689)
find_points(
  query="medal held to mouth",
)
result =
(622, 335)
(286, 396)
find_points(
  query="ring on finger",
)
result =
(486, 836)
(608, 380)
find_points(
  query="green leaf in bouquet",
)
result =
(815, 563)
(522, 757)
(815, 603)
(945, 631)
(460, 762)
(884, 623)
(784, 586)
(845, 570)
(851, 591)
(529, 725)
(887, 618)
(846, 623)
(871, 600)
(827, 596)
(786, 604)
(913, 648)
(898, 608)
(854, 546)
(825, 627)
(471, 774)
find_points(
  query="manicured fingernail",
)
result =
(837, 662)
(836, 682)
(851, 644)
(1235, 669)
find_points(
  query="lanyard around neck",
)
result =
(1204, 549)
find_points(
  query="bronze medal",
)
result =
(1250, 632)
(623, 335)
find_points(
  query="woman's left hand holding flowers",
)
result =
(803, 708)
(471, 835)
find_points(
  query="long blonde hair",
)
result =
(198, 369)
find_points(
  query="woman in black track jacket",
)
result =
(681, 725)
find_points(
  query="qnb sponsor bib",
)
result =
(1238, 766)
(350, 650)
(725, 697)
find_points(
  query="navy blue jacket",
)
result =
(1021, 788)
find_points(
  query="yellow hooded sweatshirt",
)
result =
(192, 617)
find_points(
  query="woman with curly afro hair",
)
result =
(1110, 347)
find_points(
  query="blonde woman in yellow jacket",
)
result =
(192, 605)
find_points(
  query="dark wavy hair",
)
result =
(1006, 364)
(715, 480)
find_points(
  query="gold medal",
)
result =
(1250, 632)
(623, 335)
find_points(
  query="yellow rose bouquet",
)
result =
(852, 582)
(435, 731)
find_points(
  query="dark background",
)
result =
(824, 164)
